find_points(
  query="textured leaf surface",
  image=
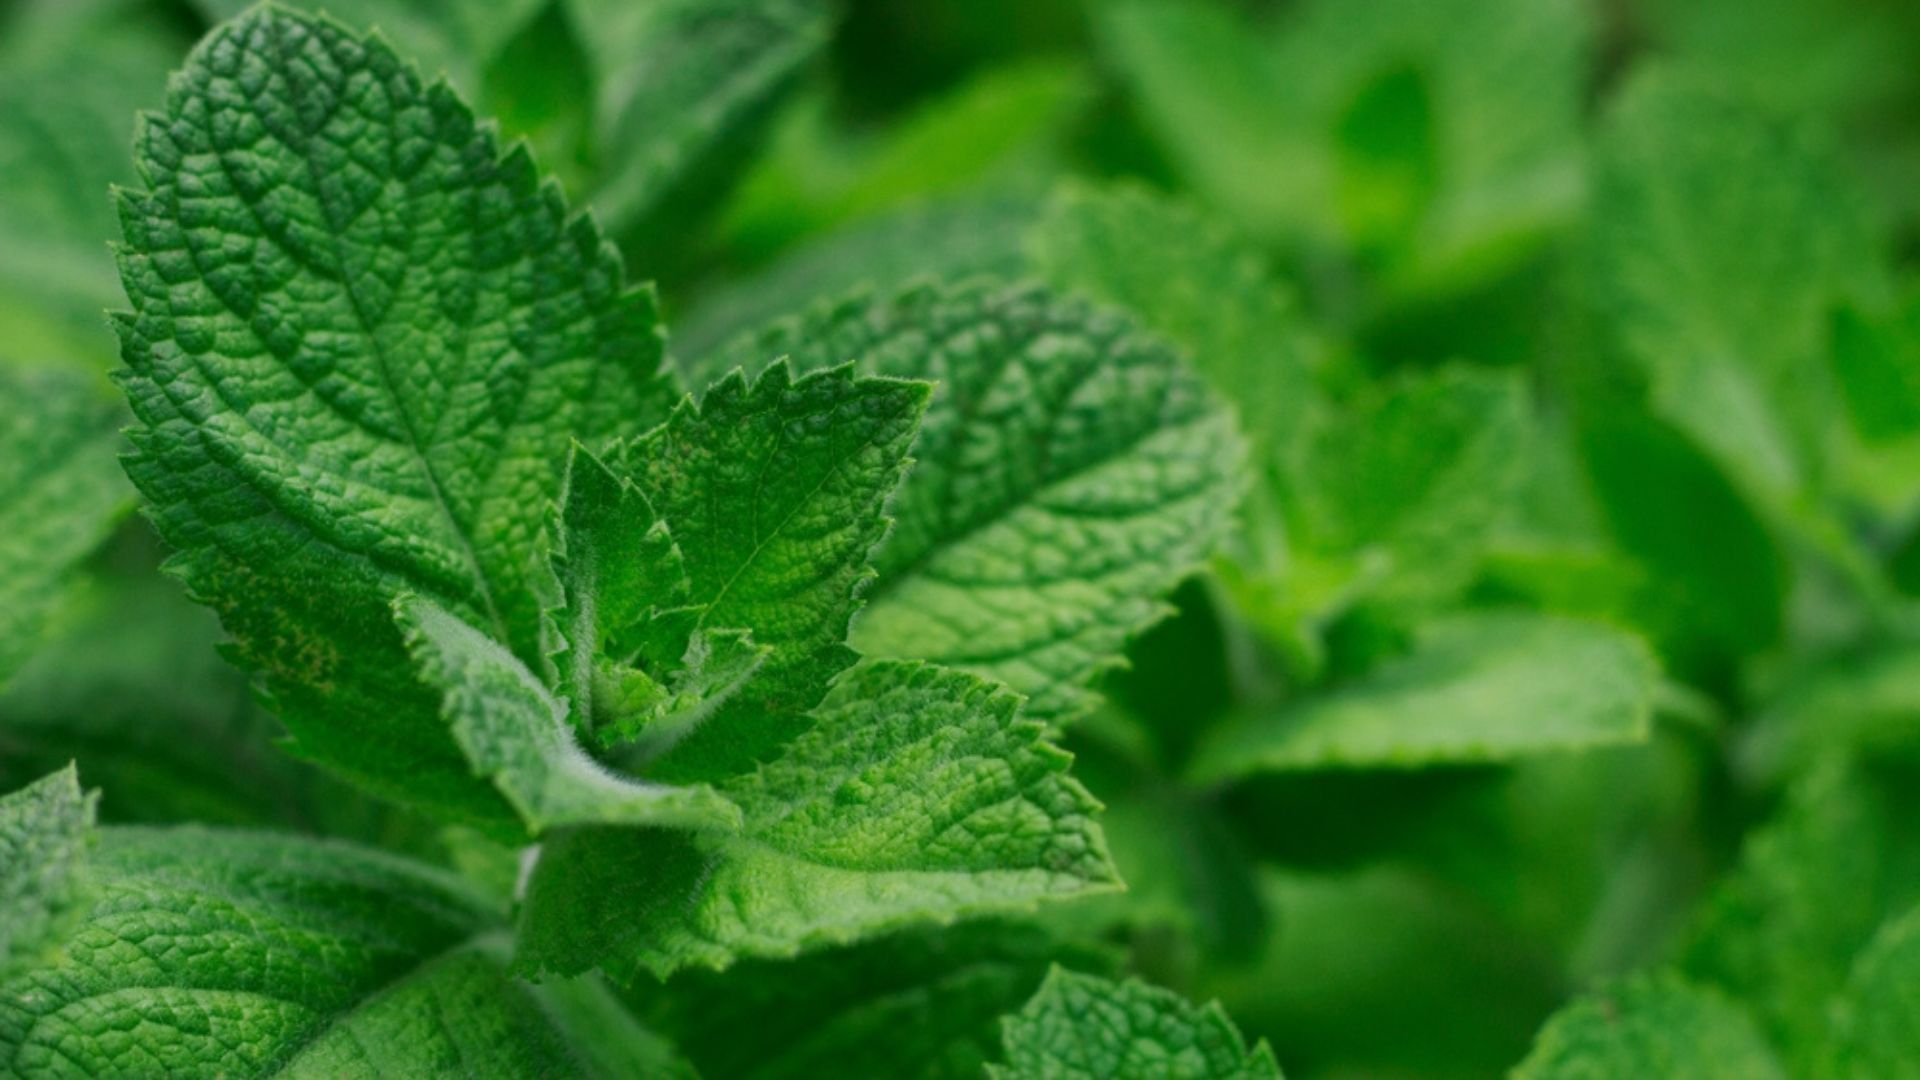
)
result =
(516, 734)
(1721, 292)
(776, 491)
(926, 1003)
(44, 832)
(361, 342)
(212, 953)
(1650, 1026)
(59, 497)
(1196, 284)
(454, 38)
(918, 795)
(1070, 472)
(1487, 687)
(1082, 1026)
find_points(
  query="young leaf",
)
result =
(362, 341)
(59, 497)
(516, 734)
(1070, 472)
(45, 830)
(918, 795)
(776, 491)
(1084, 1027)
(247, 954)
(1650, 1026)
(1474, 688)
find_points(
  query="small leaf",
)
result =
(516, 734)
(918, 796)
(776, 491)
(1876, 1023)
(1082, 1027)
(1474, 688)
(45, 830)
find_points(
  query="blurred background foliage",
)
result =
(1579, 345)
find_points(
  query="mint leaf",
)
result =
(1083, 1026)
(1721, 293)
(1876, 1021)
(924, 1003)
(59, 498)
(45, 830)
(1811, 888)
(1200, 286)
(1473, 688)
(917, 795)
(776, 490)
(683, 88)
(211, 953)
(361, 343)
(1070, 472)
(1656, 1025)
(516, 734)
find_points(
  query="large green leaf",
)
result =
(918, 795)
(208, 953)
(1084, 1027)
(1070, 471)
(362, 341)
(1473, 688)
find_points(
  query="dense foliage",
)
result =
(1167, 538)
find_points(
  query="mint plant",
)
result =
(780, 538)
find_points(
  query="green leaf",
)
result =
(1876, 1023)
(776, 491)
(1811, 888)
(617, 565)
(1070, 472)
(1083, 1026)
(72, 76)
(362, 341)
(684, 86)
(1713, 583)
(516, 734)
(247, 954)
(925, 1003)
(1260, 120)
(45, 830)
(59, 498)
(918, 795)
(1474, 688)
(1722, 242)
(1656, 1025)
(1198, 285)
